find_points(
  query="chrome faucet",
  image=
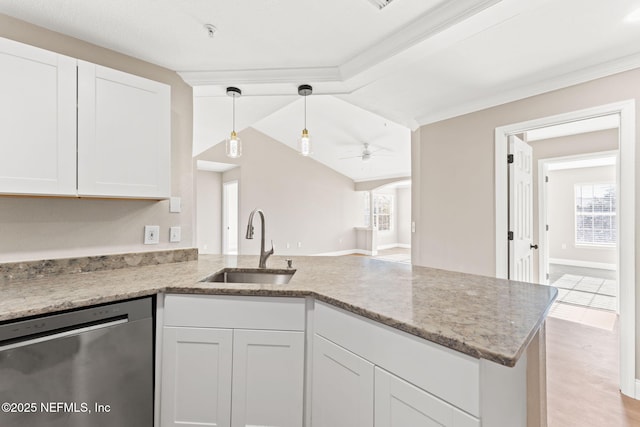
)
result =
(263, 254)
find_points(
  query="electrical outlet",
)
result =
(151, 234)
(174, 234)
(299, 244)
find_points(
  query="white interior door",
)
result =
(230, 218)
(520, 210)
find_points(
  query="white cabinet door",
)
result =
(268, 378)
(124, 134)
(342, 388)
(37, 121)
(196, 377)
(400, 404)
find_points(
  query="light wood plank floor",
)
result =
(582, 378)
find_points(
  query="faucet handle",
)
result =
(270, 251)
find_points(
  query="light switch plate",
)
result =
(151, 234)
(175, 204)
(174, 234)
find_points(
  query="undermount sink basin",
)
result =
(251, 275)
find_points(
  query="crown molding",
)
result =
(583, 75)
(427, 25)
(422, 28)
(261, 76)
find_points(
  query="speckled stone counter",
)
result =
(480, 316)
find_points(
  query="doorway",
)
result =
(578, 233)
(230, 218)
(626, 211)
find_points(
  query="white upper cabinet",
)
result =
(72, 128)
(37, 121)
(124, 136)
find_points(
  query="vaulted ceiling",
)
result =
(376, 73)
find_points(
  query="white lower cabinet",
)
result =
(196, 377)
(268, 378)
(342, 392)
(400, 404)
(227, 376)
(351, 391)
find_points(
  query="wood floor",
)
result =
(582, 378)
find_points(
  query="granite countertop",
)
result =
(480, 316)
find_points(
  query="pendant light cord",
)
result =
(234, 114)
(305, 111)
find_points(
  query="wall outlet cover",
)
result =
(151, 234)
(174, 234)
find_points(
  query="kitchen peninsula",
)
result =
(483, 325)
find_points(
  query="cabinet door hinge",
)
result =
(510, 235)
(547, 227)
(509, 158)
(546, 179)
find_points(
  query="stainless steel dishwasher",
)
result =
(91, 367)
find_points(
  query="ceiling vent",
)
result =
(380, 3)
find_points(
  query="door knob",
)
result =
(533, 246)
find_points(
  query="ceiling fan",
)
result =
(366, 154)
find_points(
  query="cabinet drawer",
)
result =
(237, 312)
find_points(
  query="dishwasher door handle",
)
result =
(68, 333)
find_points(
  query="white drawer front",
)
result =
(237, 312)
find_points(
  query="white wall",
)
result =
(209, 212)
(304, 201)
(561, 214)
(41, 228)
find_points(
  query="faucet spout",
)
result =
(264, 255)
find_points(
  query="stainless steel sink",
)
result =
(251, 275)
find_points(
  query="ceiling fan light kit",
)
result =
(233, 144)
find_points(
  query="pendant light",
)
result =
(304, 144)
(233, 144)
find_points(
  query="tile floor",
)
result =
(585, 295)
(587, 287)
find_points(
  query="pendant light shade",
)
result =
(233, 144)
(304, 144)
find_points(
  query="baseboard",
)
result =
(637, 397)
(347, 252)
(394, 245)
(586, 264)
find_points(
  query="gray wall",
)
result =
(209, 212)
(561, 214)
(404, 215)
(304, 201)
(454, 203)
(544, 149)
(39, 228)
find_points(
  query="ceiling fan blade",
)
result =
(350, 157)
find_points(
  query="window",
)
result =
(596, 214)
(382, 211)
